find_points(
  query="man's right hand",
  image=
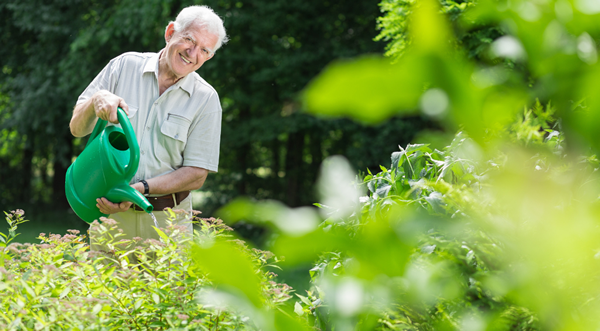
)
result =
(108, 208)
(105, 106)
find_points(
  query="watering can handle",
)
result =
(134, 148)
(100, 125)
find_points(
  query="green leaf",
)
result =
(298, 309)
(97, 291)
(383, 190)
(287, 322)
(230, 269)
(397, 159)
(65, 292)
(369, 89)
(304, 299)
(161, 234)
(436, 202)
(97, 308)
(138, 303)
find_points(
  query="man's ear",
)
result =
(169, 31)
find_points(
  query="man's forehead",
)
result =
(194, 27)
(191, 31)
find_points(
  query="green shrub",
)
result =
(136, 285)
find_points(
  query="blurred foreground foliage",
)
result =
(498, 230)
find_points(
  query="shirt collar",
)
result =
(152, 64)
(186, 83)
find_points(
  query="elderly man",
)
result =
(176, 116)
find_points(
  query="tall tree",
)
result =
(36, 36)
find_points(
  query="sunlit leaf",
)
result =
(229, 268)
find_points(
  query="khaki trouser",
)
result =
(140, 224)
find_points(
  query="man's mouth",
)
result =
(184, 59)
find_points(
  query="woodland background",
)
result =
(270, 148)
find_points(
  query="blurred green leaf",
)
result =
(369, 89)
(229, 269)
(285, 322)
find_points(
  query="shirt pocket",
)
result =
(176, 127)
(132, 112)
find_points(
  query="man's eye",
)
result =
(205, 51)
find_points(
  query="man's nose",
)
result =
(193, 50)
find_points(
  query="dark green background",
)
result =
(270, 148)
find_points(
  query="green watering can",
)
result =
(104, 169)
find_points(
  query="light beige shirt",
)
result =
(181, 127)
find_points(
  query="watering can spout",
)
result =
(127, 193)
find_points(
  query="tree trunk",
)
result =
(277, 186)
(60, 165)
(293, 167)
(317, 158)
(25, 174)
(243, 156)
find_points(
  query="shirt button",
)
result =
(147, 128)
(176, 135)
(142, 152)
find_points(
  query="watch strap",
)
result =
(146, 187)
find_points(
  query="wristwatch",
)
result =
(146, 187)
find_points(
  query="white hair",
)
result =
(206, 18)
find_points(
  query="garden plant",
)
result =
(59, 284)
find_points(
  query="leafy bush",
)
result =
(474, 37)
(136, 285)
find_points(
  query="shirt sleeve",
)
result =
(106, 80)
(202, 148)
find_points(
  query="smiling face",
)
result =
(186, 50)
